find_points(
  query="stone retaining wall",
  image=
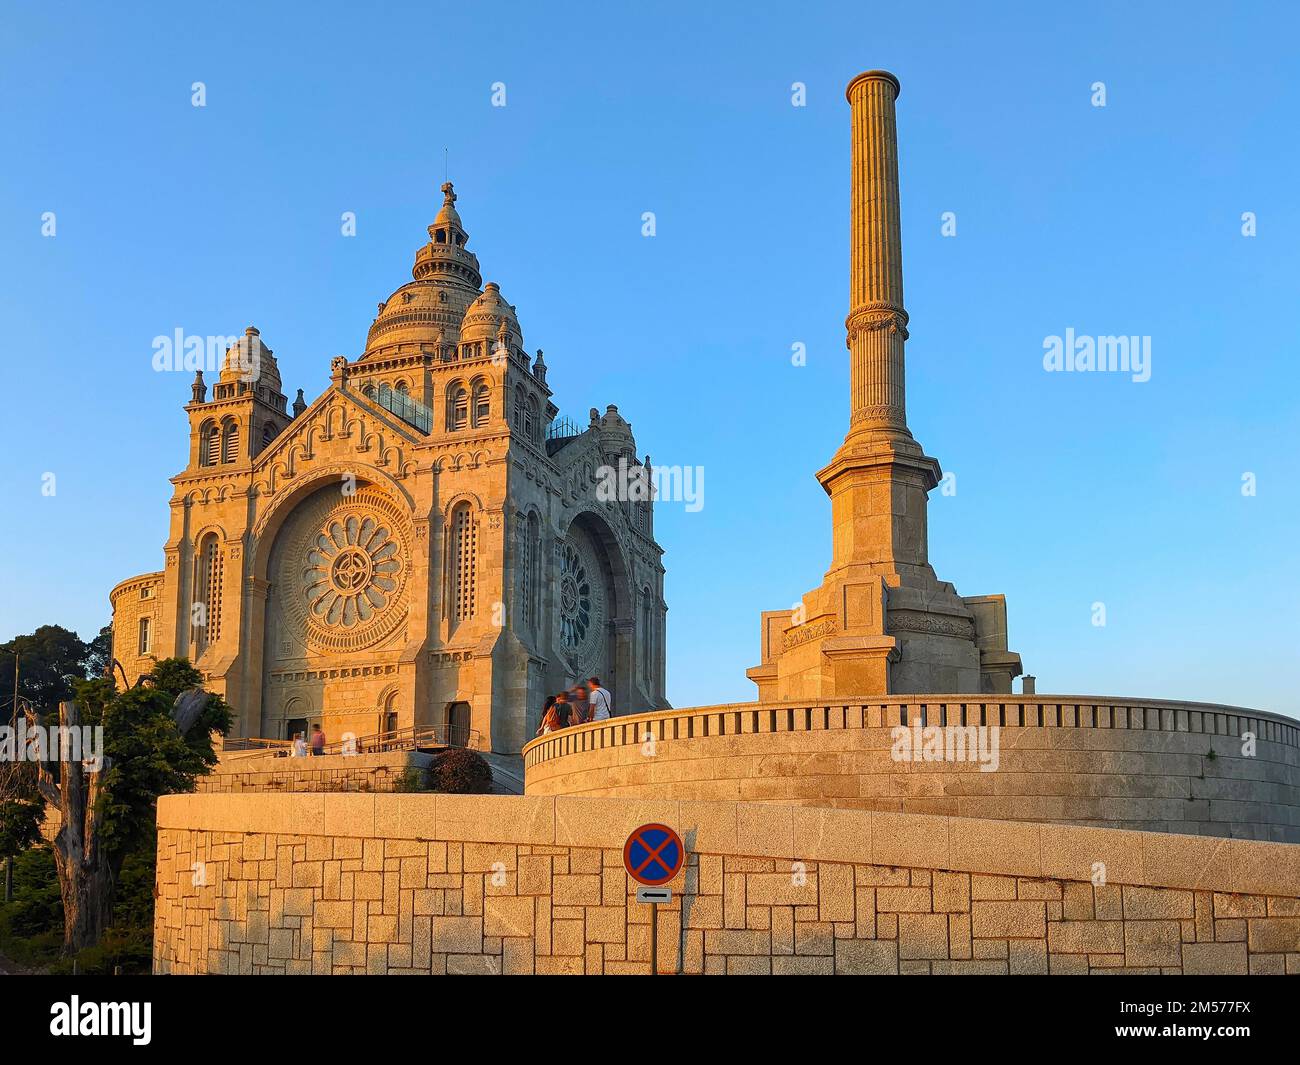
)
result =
(331, 772)
(493, 884)
(1156, 766)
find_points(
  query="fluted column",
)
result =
(877, 322)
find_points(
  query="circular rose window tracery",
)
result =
(582, 604)
(351, 571)
(575, 599)
(341, 574)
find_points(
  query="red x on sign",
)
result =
(653, 855)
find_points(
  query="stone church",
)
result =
(422, 545)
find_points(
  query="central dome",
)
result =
(419, 313)
(446, 282)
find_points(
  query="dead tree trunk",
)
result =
(87, 873)
(86, 879)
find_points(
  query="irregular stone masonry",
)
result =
(401, 884)
(375, 778)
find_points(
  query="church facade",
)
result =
(425, 544)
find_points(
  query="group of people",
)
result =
(299, 749)
(576, 706)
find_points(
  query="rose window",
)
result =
(352, 571)
(339, 571)
(575, 599)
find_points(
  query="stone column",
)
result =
(877, 322)
(879, 477)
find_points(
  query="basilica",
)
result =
(423, 545)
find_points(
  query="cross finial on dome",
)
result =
(448, 194)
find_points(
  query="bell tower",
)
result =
(246, 411)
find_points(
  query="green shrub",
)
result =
(129, 949)
(37, 907)
(31, 927)
(461, 772)
(412, 778)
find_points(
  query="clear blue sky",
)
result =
(1072, 489)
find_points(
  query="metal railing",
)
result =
(252, 743)
(411, 411)
(561, 428)
(404, 739)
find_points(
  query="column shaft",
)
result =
(877, 321)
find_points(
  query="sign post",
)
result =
(653, 855)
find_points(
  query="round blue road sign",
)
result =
(653, 855)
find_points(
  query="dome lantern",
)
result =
(446, 280)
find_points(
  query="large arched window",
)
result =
(205, 606)
(268, 434)
(531, 584)
(457, 407)
(230, 441)
(209, 444)
(463, 564)
(402, 389)
(647, 634)
(482, 403)
(518, 420)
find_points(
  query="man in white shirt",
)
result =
(600, 702)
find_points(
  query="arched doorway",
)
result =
(388, 720)
(457, 728)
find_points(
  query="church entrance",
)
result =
(457, 725)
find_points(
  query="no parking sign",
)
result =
(653, 855)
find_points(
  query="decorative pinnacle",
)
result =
(448, 194)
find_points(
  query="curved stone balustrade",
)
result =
(1119, 763)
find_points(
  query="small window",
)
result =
(146, 635)
(209, 444)
(482, 404)
(230, 442)
(532, 421)
(146, 593)
(458, 409)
